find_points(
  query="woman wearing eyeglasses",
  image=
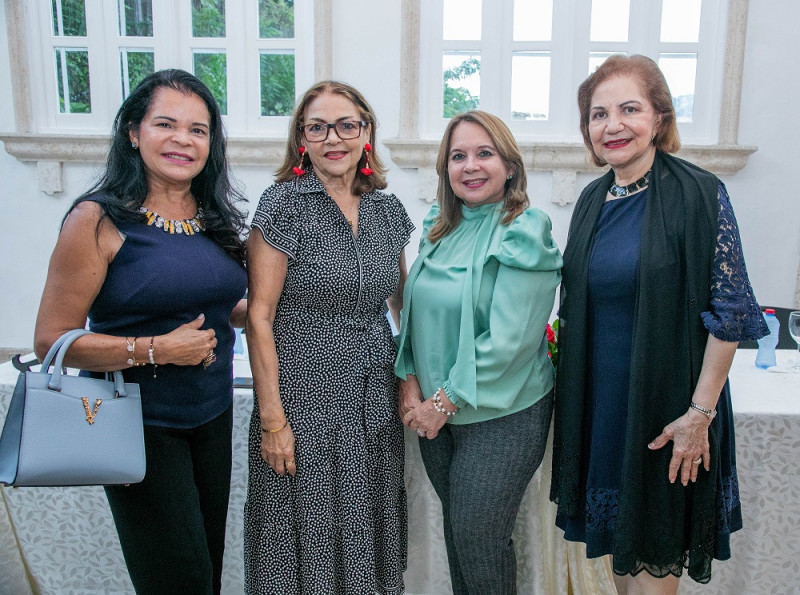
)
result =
(326, 507)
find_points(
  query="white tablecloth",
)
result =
(62, 540)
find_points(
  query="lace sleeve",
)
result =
(734, 314)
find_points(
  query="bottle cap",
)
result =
(769, 311)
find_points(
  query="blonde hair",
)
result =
(654, 86)
(515, 200)
(362, 184)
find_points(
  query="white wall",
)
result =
(368, 56)
(764, 194)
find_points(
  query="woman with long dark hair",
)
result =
(153, 255)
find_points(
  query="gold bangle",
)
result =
(285, 422)
(132, 350)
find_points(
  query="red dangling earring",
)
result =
(298, 170)
(366, 169)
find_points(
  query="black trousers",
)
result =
(172, 525)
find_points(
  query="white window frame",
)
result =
(563, 156)
(569, 63)
(49, 138)
(174, 47)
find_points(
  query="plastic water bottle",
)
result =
(765, 358)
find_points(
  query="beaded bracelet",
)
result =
(437, 404)
(709, 413)
(151, 356)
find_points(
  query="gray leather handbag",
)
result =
(64, 430)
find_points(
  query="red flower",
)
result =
(551, 336)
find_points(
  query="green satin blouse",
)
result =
(476, 305)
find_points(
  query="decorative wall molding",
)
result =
(563, 160)
(50, 151)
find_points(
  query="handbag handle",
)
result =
(59, 350)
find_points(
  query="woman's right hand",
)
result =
(187, 345)
(277, 449)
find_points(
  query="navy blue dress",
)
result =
(612, 283)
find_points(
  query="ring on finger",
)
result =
(697, 461)
(420, 433)
(210, 358)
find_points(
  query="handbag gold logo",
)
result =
(90, 415)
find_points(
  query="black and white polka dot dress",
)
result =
(338, 525)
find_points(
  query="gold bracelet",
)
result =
(285, 422)
(132, 350)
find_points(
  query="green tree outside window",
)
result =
(277, 84)
(276, 19)
(212, 70)
(208, 18)
(458, 100)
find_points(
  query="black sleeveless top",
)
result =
(156, 282)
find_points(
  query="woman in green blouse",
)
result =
(476, 382)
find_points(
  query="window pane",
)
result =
(136, 18)
(277, 84)
(533, 20)
(680, 21)
(462, 82)
(276, 19)
(530, 85)
(208, 18)
(610, 20)
(72, 72)
(462, 19)
(680, 71)
(212, 70)
(597, 58)
(136, 64)
(69, 18)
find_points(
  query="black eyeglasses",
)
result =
(345, 129)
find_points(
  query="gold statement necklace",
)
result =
(187, 227)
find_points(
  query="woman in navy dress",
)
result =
(153, 255)
(654, 300)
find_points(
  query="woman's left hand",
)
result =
(689, 434)
(425, 420)
(409, 396)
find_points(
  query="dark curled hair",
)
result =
(123, 185)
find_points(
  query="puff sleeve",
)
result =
(510, 343)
